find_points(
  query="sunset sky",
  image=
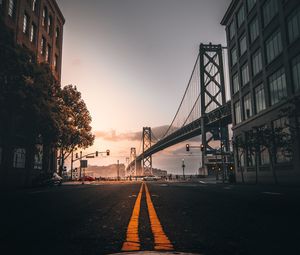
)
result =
(132, 60)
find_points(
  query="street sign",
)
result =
(83, 163)
(91, 156)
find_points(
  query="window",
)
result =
(243, 45)
(264, 156)
(296, 73)
(260, 102)
(48, 52)
(11, 8)
(254, 29)
(273, 46)
(247, 106)
(240, 154)
(256, 62)
(49, 25)
(34, 5)
(235, 83)
(250, 4)
(241, 16)
(231, 30)
(277, 86)
(250, 152)
(33, 33)
(241, 158)
(25, 23)
(270, 9)
(245, 74)
(38, 157)
(294, 26)
(237, 112)
(56, 63)
(43, 46)
(280, 128)
(45, 15)
(57, 36)
(19, 156)
(233, 56)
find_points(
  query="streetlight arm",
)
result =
(89, 154)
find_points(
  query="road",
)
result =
(190, 217)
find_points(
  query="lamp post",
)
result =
(183, 166)
(118, 170)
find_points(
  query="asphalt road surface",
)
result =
(187, 217)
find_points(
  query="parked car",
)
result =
(151, 178)
(47, 179)
(56, 179)
(87, 178)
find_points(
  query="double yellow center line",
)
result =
(132, 243)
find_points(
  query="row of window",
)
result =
(273, 45)
(46, 52)
(19, 157)
(269, 10)
(273, 49)
(247, 156)
(277, 88)
(47, 21)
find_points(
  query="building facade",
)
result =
(263, 38)
(36, 25)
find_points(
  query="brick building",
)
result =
(263, 38)
(37, 25)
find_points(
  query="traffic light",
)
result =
(107, 152)
(202, 147)
(76, 155)
(187, 147)
(96, 153)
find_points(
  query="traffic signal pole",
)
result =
(201, 147)
(89, 155)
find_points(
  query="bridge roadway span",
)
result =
(221, 116)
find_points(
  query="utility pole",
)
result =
(71, 165)
(80, 165)
(118, 170)
(183, 166)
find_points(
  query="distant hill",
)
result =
(105, 171)
(111, 171)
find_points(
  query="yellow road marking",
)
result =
(132, 242)
(161, 241)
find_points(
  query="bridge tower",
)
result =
(132, 168)
(147, 161)
(212, 96)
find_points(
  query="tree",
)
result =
(34, 108)
(292, 112)
(239, 143)
(76, 129)
(275, 140)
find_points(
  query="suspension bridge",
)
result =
(203, 111)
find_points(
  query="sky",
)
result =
(131, 60)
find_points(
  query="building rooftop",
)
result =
(229, 11)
